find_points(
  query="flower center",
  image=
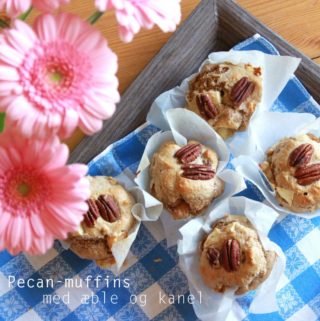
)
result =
(24, 189)
(59, 76)
(55, 76)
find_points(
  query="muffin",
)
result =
(293, 169)
(225, 95)
(184, 178)
(108, 220)
(232, 256)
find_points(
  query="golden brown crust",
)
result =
(255, 263)
(289, 193)
(216, 81)
(95, 242)
(182, 197)
(93, 249)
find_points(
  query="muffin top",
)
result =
(225, 95)
(108, 220)
(232, 256)
(293, 169)
(184, 178)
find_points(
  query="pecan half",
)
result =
(241, 90)
(197, 172)
(206, 107)
(307, 174)
(301, 155)
(230, 255)
(188, 153)
(213, 256)
(93, 213)
(109, 210)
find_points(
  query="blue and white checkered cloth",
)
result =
(152, 268)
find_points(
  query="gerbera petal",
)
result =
(4, 220)
(69, 122)
(16, 227)
(25, 29)
(8, 73)
(17, 107)
(48, 5)
(37, 225)
(10, 55)
(69, 27)
(61, 155)
(10, 87)
(89, 40)
(19, 41)
(27, 234)
(45, 27)
(5, 162)
(88, 123)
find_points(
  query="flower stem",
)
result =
(25, 15)
(95, 17)
(2, 117)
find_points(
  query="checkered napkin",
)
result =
(152, 269)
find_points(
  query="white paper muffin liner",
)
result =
(265, 131)
(185, 125)
(276, 72)
(146, 209)
(213, 305)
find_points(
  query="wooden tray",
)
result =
(214, 25)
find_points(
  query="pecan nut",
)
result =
(213, 256)
(197, 172)
(93, 213)
(188, 153)
(241, 90)
(206, 106)
(301, 155)
(230, 255)
(108, 208)
(307, 174)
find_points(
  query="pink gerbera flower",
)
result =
(133, 14)
(13, 8)
(57, 76)
(41, 198)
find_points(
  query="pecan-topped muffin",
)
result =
(226, 95)
(232, 256)
(293, 169)
(184, 178)
(108, 220)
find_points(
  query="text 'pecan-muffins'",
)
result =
(293, 169)
(108, 220)
(232, 256)
(184, 178)
(226, 95)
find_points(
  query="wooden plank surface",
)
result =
(295, 20)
